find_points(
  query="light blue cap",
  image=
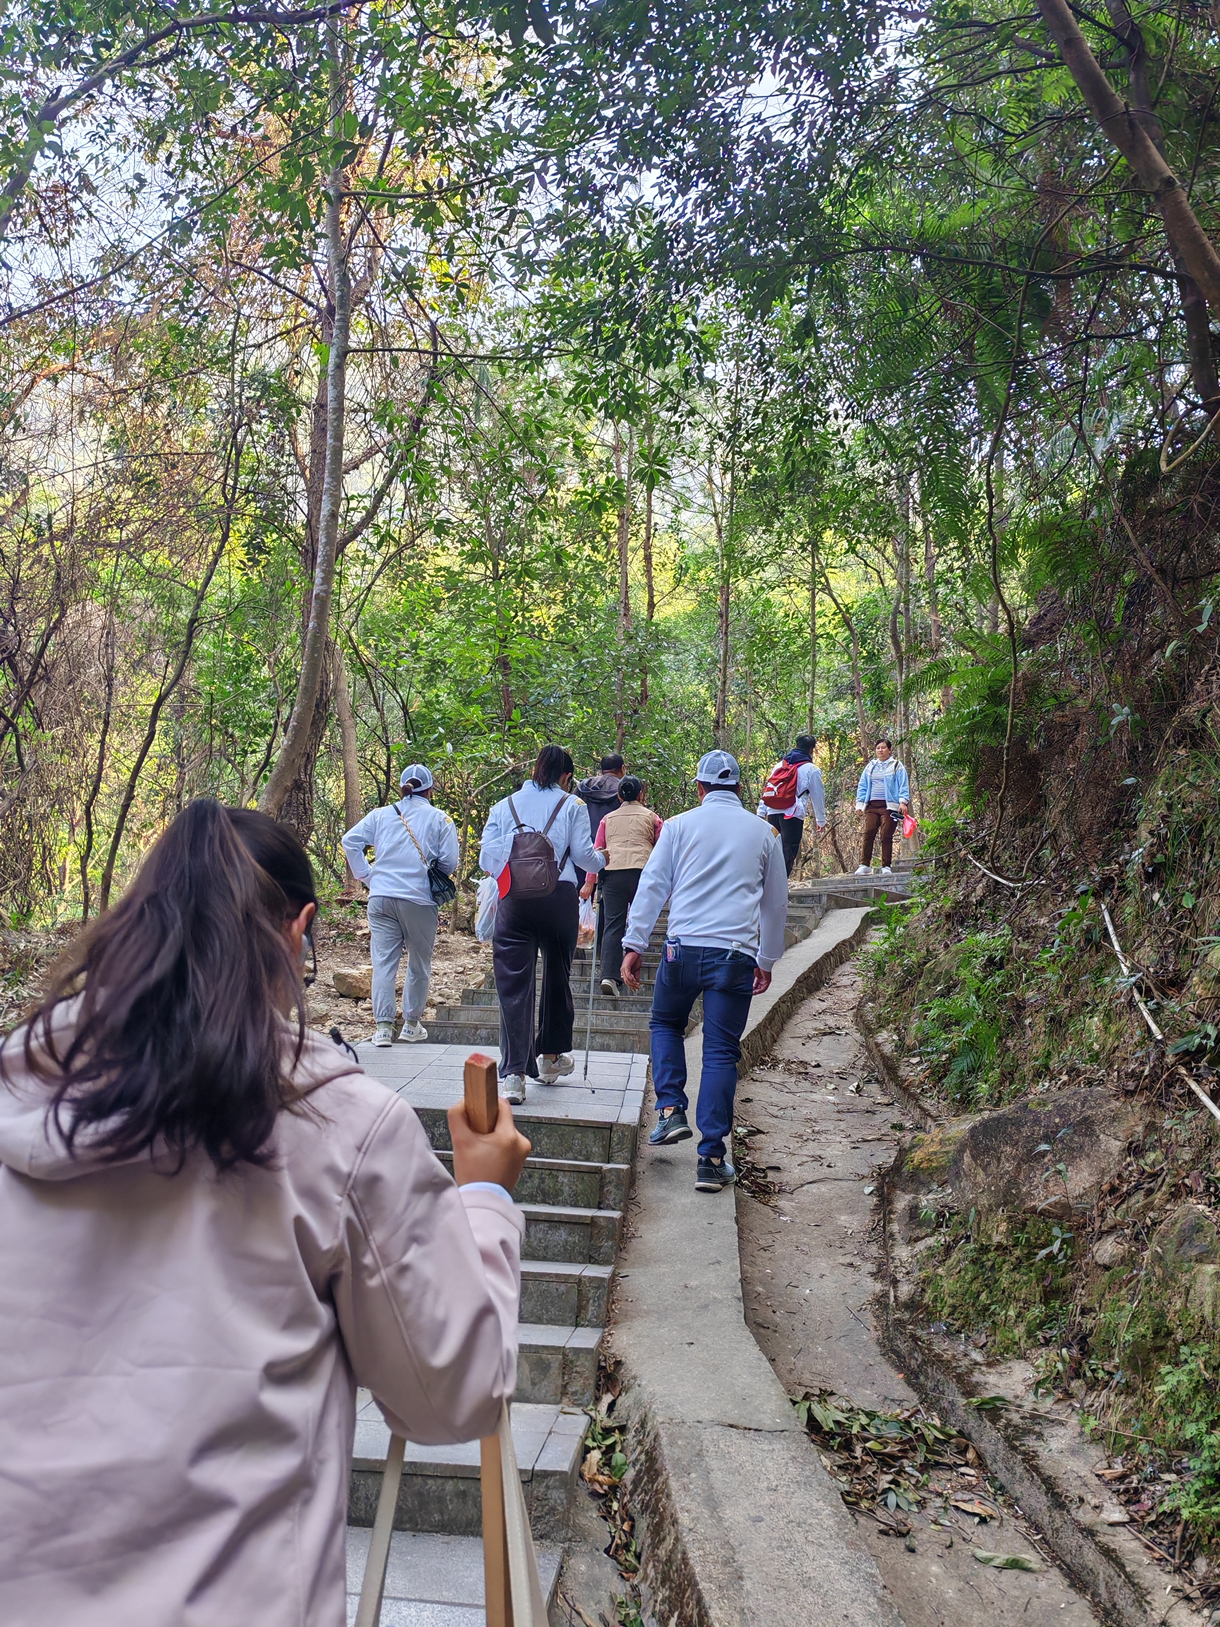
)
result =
(718, 768)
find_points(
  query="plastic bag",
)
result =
(909, 823)
(486, 900)
(587, 931)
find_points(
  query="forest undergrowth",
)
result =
(1004, 983)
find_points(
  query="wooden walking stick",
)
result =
(482, 1109)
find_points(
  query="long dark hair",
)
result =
(178, 1038)
(553, 762)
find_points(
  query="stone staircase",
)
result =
(572, 1191)
(622, 1024)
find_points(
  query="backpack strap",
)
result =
(422, 858)
(554, 812)
(513, 810)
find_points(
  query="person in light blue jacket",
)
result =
(883, 794)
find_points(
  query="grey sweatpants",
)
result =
(396, 924)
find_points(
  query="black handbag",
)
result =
(441, 885)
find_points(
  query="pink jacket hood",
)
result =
(179, 1353)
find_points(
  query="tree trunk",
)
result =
(353, 805)
(623, 472)
(813, 636)
(1121, 125)
(856, 683)
(168, 685)
(303, 724)
(108, 647)
(1194, 306)
(650, 592)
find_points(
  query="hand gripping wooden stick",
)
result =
(482, 1110)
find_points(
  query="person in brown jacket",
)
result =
(627, 837)
(214, 1226)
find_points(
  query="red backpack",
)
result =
(780, 790)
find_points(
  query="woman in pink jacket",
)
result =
(213, 1226)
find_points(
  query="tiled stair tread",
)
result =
(565, 1270)
(558, 1338)
(438, 1578)
(567, 1213)
(546, 1437)
(576, 1165)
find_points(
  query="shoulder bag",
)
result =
(442, 886)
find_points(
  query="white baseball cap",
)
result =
(417, 776)
(718, 768)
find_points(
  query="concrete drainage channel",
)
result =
(573, 1191)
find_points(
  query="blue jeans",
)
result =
(725, 978)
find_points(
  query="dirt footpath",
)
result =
(818, 1128)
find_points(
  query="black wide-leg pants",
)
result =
(523, 927)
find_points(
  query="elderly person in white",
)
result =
(406, 838)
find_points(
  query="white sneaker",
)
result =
(609, 986)
(413, 1032)
(384, 1034)
(513, 1088)
(864, 869)
(551, 1068)
(886, 870)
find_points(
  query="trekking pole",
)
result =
(597, 921)
(482, 1109)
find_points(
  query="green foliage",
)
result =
(1016, 1292)
(1188, 1405)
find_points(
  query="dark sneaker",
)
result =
(713, 1174)
(670, 1127)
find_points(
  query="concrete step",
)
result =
(606, 1022)
(569, 1181)
(565, 1294)
(568, 1232)
(557, 1366)
(440, 1484)
(623, 1004)
(484, 1034)
(568, 1137)
(434, 1581)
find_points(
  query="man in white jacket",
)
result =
(722, 871)
(406, 838)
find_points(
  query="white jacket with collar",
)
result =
(722, 870)
(398, 870)
(570, 835)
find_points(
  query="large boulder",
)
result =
(1047, 1156)
(354, 983)
(1185, 1239)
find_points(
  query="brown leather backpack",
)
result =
(532, 866)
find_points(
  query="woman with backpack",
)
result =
(530, 843)
(215, 1226)
(627, 836)
(882, 796)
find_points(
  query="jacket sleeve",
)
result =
(774, 912)
(356, 840)
(580, 839)
(496, 844)
(903, 787)
(862, 789)
(427, 1288)
(448, 851)
(656, 881)
(817, 795)
(599, 841)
